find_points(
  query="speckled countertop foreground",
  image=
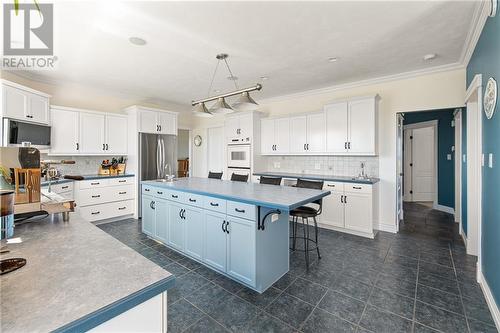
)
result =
(73, 271)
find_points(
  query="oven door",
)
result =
(238, 156)
(16, 133)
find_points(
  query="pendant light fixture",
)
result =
(243, 103)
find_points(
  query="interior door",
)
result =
(64, 132)
(162, 215)
(316, 133)
(424, 162)
(215, 245)
(176, 227)
(195, 236)
(92, 127)
(361, 126)
(336, 127)
(148, 121)
(168, 123)
(116, 135)
(282, 135)
(298, 134)
(267, 136)
(241, 249)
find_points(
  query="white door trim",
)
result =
(431, 123)
(474, 104)
(458, 168)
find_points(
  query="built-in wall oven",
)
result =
(18, 133)
(238, 156)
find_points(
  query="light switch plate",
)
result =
(448, 157)
(277, 165)
(490, 160)
(482, 159)
(274, 217)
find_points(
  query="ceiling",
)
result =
(288, 42)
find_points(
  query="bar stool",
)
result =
(270, 180)
(304, 213)
(215, 175)
(239, 178)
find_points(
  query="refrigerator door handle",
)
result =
(158, 161)
(162, 161)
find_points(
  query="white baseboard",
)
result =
(445, 209)
(345, 230)
(495, 312)
(464, 236)
(387, 228)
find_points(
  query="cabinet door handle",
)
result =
(122, 181)
(107, 147)
(122, 192)
(214, 204)
(152, 205)
(103, 146)
(239, 210)
(304, 146)
(180, 213)
(227, 225)
(95, 183)
(146, 189)
(96, 196)
(159, 126)
(95, 213)
(345, 198)
(183, 214)
(349, 145)
(77, 146)
(345, 145)
(64, 187)
(175, 196)
(121, 208)
(192, 200)
(357, 187)
(223, 226)
(307, 146)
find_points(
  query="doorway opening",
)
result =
(183, 152)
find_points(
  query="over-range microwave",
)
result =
(20, 133)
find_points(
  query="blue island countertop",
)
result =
(271, 196)
(328, 178)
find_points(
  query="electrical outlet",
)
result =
(482, 159)
(490, 160)
(448, 157)
(317, 166)
(274, 217)
(277, 165)
(464, 158)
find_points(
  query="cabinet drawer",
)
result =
(358, 188)
(92, 196)
(242, 210)
(120, 181)
(215, 204)
(121, 192)
(147, 189)
(175, 196)
(334, 186)
(193, 199)
(93, 183)
(120, 208)
(107, 210)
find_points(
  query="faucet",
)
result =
(167, 170)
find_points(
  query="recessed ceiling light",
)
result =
(430, 56)
(333, 59)
(264, 78)
(137, 41)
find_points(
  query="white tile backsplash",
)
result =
(84, 165)
(328, 165)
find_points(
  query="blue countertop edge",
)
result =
(238, 199)
(112, 310)
(85, 177)
(342, 179)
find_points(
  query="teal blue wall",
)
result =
(446, 139)
(486, 61)
(464, 171)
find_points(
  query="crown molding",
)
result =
(480, 17)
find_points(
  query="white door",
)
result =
(15, 103)
(241, 249)
(194, 233)
(232, 127)
(336, 127)
(424, 162)
(316, 133)
(148, 121)
(246, 125)
(282, 135)
(267, 136)
(358, 209)
(92, 128)
(333, 205)
(458, 168)
(215, 149)
(362, 127)
(167, 123)
(64, 132)
(38, 108)
(116, 135)
(298, 134)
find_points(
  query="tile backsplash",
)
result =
(324, 165)
(84, 165)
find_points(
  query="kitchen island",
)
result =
(239, 229)
(78, 278)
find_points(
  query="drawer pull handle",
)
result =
(239, 210)
(121, 208)
(214, 204)
(95, 183)
(175, 196)
(146, 189)
(330, 185)
(159, 192)
(122, 181)
(96, 196)
(356, 187)
(64, 187)
(95, 213)
(192, 200)
(122, 192)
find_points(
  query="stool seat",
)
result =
(304, 211)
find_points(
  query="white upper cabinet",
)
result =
(157, 121)
(239, 128)
(267, 136)
(64, 131)
(362, 124)
(336, 127)
(275, 135)
(23, 103)
(116, 134)
(92, 129)
(315, 133)
(298, 134)
(306, 134)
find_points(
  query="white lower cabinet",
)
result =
(351, 208)
(162, 211)
(215, 240)
(241, 249)
(148, 215)
(176, 227)
(194, 236)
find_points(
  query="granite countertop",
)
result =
(272, 196)
(75, 278)
(86, 177)
(331, 178)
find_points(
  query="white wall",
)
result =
(423, 92)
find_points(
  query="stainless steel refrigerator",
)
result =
(157, 157)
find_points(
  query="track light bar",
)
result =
(258, 86)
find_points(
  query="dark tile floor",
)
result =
(419, 280)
